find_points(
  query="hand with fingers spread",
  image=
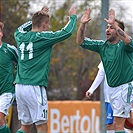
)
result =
(72, 11)
(111, 19)
(45, 9)
(86, 17)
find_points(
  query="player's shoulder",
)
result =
(11, 48)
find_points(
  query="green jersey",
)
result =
(117, 60)
(34, 50)
(8, 55)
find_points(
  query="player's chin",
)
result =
(107, 37)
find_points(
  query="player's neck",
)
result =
(115, 41)
(36, 30)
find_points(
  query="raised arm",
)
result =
(84, 19)
(111, 20)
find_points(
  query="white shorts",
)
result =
(6, 100)
(32, 104)
(121, 99)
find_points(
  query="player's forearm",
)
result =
(80, 33)
(70, 26)
(123, 36)
(98, 80)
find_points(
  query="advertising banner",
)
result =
(74, 117)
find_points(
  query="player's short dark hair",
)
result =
(38, 18)
(120, 24)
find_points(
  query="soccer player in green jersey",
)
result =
(116, 55)
(35, 44)
(109, 112)
(8, 57)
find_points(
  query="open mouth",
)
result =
(108, 34)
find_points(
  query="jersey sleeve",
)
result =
(98, 80)
(130, 46)
(93, 45)
(26, 27)
(54, 37)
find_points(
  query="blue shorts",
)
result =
(109, 113)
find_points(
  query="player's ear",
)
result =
(44, 26)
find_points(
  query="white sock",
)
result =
(110, 131)
(126, 130)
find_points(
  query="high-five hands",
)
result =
(72, 11)
(111, 19)
(86, 17)
(44, 10)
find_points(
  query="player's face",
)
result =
(111, 34)
(1, 33)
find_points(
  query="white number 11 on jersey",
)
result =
(28, 48)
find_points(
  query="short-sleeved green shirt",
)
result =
(8, 57)
(34, 50)
(117, 60)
